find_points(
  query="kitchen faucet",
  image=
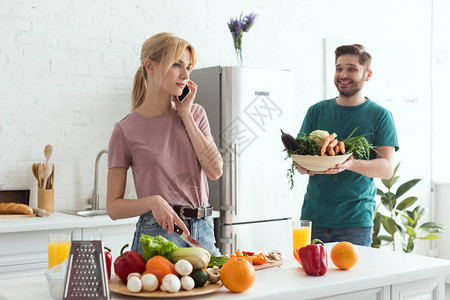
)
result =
(95, 197)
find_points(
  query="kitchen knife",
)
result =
(188, 239)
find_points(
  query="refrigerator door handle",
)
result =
(234, 180)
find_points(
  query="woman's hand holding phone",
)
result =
(187, 98)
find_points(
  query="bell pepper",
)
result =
(259, 259)
(108, 260)
(314, 258)
(128, 262)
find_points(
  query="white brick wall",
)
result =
(66, 67)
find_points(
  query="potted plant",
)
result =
(401, 219)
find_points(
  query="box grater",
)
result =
(86, 270)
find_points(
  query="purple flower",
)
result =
(240, 25)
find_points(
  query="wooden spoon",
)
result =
(40, 175)
(48, 152)
(52, 178)
(47, 171)
(34, 168)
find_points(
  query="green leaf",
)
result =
(408, 219)
(389, 182)
(395, 169)
(407, 203)
(388, 201)
(406, 187)
(386, 238)
(408, 246)
(376, 242)
(389, 224)
(410, 231)
(376, 223)
(380, 192)
(432, 227)
(419, 212)
(429, 237)
(400, 229)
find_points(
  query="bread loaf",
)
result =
(15, 208)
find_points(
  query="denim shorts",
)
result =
(201, 230)
(356, 235)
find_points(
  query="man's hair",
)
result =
(365, 59)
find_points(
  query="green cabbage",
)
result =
(157, 245)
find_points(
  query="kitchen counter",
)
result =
(23, 241)
(58, 220)
(379, 274)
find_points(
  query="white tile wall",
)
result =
(66, 67)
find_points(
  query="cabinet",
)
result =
(428, 289)
(24, 253)
(382, 293)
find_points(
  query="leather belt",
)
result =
(187, 212)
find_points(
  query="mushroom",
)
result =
(135, 274)
(149, 282)
(274, 254)
(213, 274)
(134, 284)
(183, 267)
(187, 283)
(171, 283)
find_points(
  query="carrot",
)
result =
(330, 150)
(333, 143)
(342, 147)
(326, 142)
(337, 149)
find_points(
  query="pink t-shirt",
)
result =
(161, 156)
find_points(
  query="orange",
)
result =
(160, 267)
(296, 255)
(344, 255)
(237, 274)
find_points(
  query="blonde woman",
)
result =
(168, 145)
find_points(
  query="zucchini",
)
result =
(198, 257)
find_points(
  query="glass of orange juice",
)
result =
(301, 235)
(58, 248)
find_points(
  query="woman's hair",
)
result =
(365, 59)
(164, 48)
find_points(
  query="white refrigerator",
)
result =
(246, 109)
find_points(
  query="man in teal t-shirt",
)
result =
(341, 207)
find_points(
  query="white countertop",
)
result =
(375, 268)
(58, 220)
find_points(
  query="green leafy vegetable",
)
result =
(359, 146)
(217, 261)
(311, 144)
(157, 245)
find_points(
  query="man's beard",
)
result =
(354, 89)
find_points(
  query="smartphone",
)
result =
(185, 92)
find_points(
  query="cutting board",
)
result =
(269, 264)
(116, 286)
(11, 216)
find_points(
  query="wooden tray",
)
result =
(10, 216)
(269, 264)
(117, 286)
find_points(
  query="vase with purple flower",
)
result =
(237, 28)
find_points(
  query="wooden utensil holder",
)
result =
(45, 199)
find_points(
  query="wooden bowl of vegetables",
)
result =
(319, 164)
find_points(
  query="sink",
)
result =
(87, 212)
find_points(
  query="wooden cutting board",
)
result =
(116, 286)
(11, 216)
(269, 264)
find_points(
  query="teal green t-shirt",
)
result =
(347, 199)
